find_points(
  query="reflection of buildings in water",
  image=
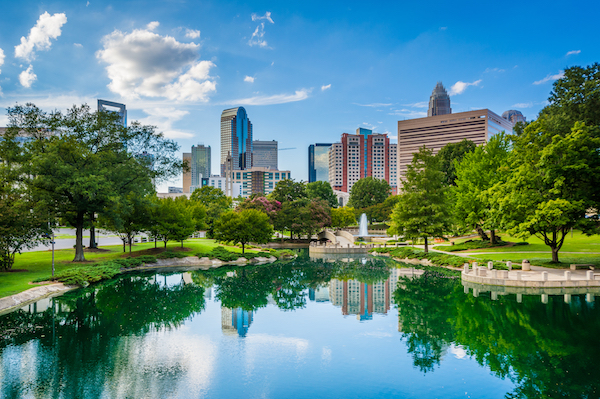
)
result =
(359, 298)
(321, 294)
(235, 321)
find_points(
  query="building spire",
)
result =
(439, 102)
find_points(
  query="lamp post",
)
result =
(52, 253)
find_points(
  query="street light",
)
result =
(52, 242)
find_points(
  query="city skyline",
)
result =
(305, 74)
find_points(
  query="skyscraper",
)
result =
(110, 106)
(439, 102)
(318, 162)
(187, 175)
(514, 116)
(264, 154)
(236, 139)
(200, 164)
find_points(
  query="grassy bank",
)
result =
(578, 243)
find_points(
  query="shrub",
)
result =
(171, 255)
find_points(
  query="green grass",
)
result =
(579, 243)
(39, 264)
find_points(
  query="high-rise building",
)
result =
(359, 298)
(200, 164)
(111, 106)
(513, 116)
(318, 162)
(362, 155)
(439, 102)
(264, 154)
(236, 139)
(187, 175)
(437, 131)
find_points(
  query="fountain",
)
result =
(363, 226)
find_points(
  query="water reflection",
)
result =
(128, 337)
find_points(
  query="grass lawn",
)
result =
(579, 243)
(39, 264)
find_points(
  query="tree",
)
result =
(322, 190)
(130, 215)
(303, 217)
(475, 175)
(381, 212)
(242, 227)
(368, 191)
(422, 208)
(449, 155)
(82, 160)
(342, 217)
(176, 219)
(263, 204)
(288, 190)
(215, 202)
(554, 181)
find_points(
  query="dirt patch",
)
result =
(155, 251)
(96, 250)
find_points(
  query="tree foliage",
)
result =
(176, 219)
(215, 202)
(322, 190)
(451, 154)
(342, 217)
(369, 191)
(422, 209)
(248, 225)
(288, 190)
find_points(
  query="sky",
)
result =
(305, 72)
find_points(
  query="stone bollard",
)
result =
(466, 268)
(475, 265)
(466, 289)
(544, 276)
(396, 245)
(494, 295)
(519, 298)
(476, 271)
(567, 275)
(518, 276)
(475, 292)
(490, 265)
(589, 297)
(545, 298)
(525, 266)
(567, 298)
(509, 265)
(589, 275)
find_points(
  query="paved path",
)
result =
(103, 239)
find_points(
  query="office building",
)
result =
(111, 106)
(253, 180)
(514, 116)
(187, 175)
(175, 190)
(236, 139)
(439, 102)
(200, 164)
(360, 299)
(264, 154)
(436, 131)
(362, 155)
(318, 162)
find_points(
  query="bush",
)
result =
(171, 255)
(518, 244)
(471, 244)
(86, 274)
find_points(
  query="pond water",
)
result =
(302, 329)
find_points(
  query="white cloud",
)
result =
(163, 119)
(79, 45)
(488, 70)
(549, 78)
(299, 95)
(267, 16)
(373, 105)
(87, 4)
(408, 113)
(143, 63)
(192, 33)
(1, 58)
(572, 52)
(257, 37)
(326, 87)
(522, 105)
(444, 28)
(153, 25)
(422, 104)
(459, 87)
(249, 79)
(47, 27)
(27, 77)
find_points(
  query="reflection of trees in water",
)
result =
(547, 350)
(97, 338)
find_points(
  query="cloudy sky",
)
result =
(305, 71)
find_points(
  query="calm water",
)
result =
(301, 329)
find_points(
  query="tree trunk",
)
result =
(92, 233)
(124, 243)
(481, 233)
(426, 247)
(493, 239)
(181, 244)
(79, 256)
(129, 239)
(154, 242)
(165, 241)
(554, 254)
(242, 248)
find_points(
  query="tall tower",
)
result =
(236, 138)
(439, 102)
(200, 166)
(111, 106)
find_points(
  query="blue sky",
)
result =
(306, 71)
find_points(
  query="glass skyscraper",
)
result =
(200, 164)
(264, 154)
(318, 162)
(439, 102)
(236, 139)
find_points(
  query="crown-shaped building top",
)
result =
(439, 102)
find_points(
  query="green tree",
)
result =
(322, 190)
(381, 212)
(368, 191)
(342, 217)
(176, 219)
(422, 209)
(245, 226)
(82, 160)
(215, 202)
(129, 216)
(449, 155)
(478, 171)
(554, 181)
(288, 190)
